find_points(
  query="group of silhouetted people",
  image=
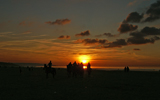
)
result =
(126, 69)
(77, 69)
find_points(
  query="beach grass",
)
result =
(101, 85)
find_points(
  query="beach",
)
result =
(101, 85)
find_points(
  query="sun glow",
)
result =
(84, 59)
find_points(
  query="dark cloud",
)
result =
(59, 22)
(144, 36)
(106, 34)
(109, 35)
(61, 37)
(117, 43)
(103, 43)
(68, 37)
(91, 41)
(83, 53)
(153, 12)
(64, 37)
(136, 49)
(125, 27)
(138, 37)
(151, 31)
(134, 17)
(137, 34)
(140, 40)
(156, 38)
(85, 33)
(146, 32)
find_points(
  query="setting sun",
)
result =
(84, 59)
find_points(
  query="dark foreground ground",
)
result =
(102, 85)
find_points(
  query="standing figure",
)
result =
(74, 69)
(50, 64)
(89, 69)
(127, 69)
(81, 69)
(45, 67)
(69, 69)
(49, 69)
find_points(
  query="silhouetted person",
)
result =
(89, 69)
(127, 69)
(49, 70)
(74, 69)
(81, 65)
(69, 69)
(50, 64)
(45, 67)
(81, 70)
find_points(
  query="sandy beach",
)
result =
(101, 85)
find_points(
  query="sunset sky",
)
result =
(104, 32)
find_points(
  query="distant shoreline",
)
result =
(119, 68)
(106, 68)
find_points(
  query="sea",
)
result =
(118, 68)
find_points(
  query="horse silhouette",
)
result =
(49, 70)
